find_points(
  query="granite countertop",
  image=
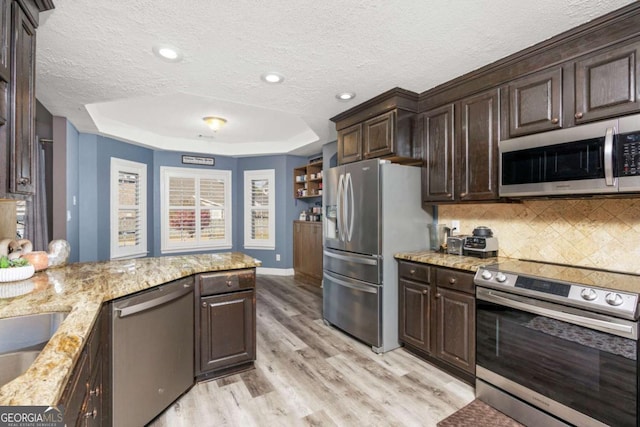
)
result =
(80, 289)
(447, 260)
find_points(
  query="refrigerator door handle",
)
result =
(351, 284)
(339, 206)
(352, 205)
(351, 258)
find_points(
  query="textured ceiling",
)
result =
(95, 64)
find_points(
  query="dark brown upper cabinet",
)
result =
(607, 83)
(5, 39)
(23, 62)
(350, 144)
(438, 148)
(535, 102)
(477, 165)
(379, 135)
(380, 127)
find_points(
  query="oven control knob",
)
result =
(501, 277)
(613, 299)
(486, 275)
(588, 294)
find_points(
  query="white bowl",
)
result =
(13, 274)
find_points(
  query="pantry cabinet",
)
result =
(436, 316)
(307, 250)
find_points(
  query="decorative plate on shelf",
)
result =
(13, 274)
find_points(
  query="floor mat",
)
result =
(477, 414)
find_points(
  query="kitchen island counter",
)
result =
(80, 289)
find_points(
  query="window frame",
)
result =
(270, 176)
(118, 165)
(168, 172)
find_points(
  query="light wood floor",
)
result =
(308, 374)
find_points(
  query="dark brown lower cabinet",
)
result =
(307, 250)
(437, 316)
(82, 397)
(225, 322)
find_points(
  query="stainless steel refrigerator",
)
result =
(372, 211)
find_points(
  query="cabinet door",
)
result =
(415, 315)
(379, 135)
(456, 342)
(21, 179)
(315, 250)
(535, 103)
(298, 245)
(607, 84)
(477, 172)
(228, 326)
(438, 155)
(350, 144)
(5, 38)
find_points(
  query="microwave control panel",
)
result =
(628, 154)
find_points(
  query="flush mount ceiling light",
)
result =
(345, 96)
(167, 53)
(272, 77)
(215, 123)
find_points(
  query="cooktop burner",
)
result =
(596, 290)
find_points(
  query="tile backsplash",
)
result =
(602, 233)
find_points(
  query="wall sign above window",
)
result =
(192, 160)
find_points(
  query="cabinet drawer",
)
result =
(416, 272)
(230, 281)
(458, 280)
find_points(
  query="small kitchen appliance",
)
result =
(455, 244)
(481, 244)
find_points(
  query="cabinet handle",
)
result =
(229, 283)
(452, 280)
(204, 303)
(91, 414)
(438, 295)
(579, 115)
(412, 271)
(24, 181)
(555, 120)
(95, 392)
(424, 292)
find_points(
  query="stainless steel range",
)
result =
(558, 344)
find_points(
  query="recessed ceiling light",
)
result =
(167, 53)
(345, 96)
(272, 77)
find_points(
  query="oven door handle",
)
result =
(628, 331)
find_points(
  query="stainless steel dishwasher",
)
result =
(152, 351)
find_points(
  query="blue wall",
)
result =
(89, 158)
(73, 179)
(286, 209)
(174, 159)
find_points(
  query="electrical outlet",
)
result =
(455, 226)
(277, 257)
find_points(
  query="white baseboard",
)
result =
(274, 271)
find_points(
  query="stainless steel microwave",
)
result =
(597, 158)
